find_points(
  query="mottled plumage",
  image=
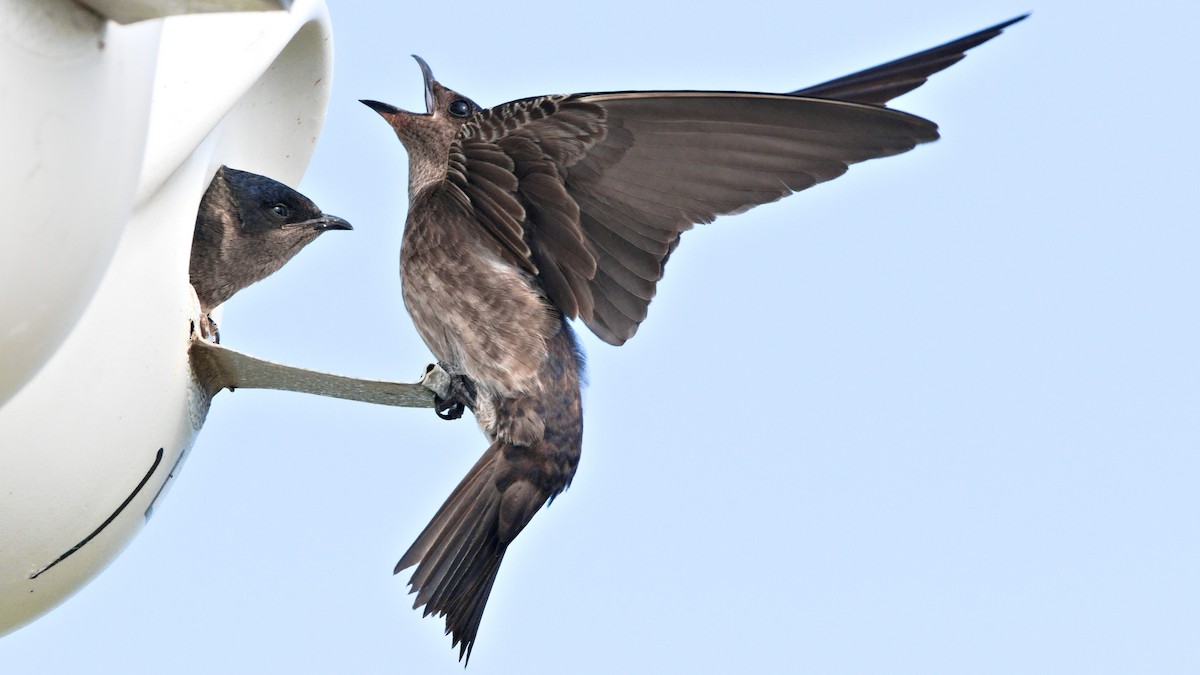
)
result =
(550, 208)
(247, 227)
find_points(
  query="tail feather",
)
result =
(467, 530)
(447, 516)
(462, 619)
(471, 608)
(472, 545)
(459, 553)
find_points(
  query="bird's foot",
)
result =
(453, 394)
(447, 410)
(209, 330)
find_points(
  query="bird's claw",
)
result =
(458, 390)
(447, 410)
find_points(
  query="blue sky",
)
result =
(937, 416)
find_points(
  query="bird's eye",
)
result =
(280, 210)
(460, 108)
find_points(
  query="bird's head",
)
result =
(275, 221)
(266, 205)
(428, 136)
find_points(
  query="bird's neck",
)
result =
(423, 177)
(428, 163)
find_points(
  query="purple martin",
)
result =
(247, 227)
(533, 212)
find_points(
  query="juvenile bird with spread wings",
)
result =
(546, 209)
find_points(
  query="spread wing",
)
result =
(591, 192)
(885, 82)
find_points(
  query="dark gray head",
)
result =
(247, 227)
(428, 136)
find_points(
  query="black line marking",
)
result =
(157, 460)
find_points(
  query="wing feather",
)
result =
(591, 192)
(885, 82)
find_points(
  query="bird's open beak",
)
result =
(428, 75)
(325, 223)
(389, 112)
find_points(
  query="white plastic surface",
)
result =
(130, 11)
(79, 438)
(75, 100)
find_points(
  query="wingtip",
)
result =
(1016, 19)
(887, 81)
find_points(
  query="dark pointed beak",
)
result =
(428, 75)
(387, 111)
(327, 222)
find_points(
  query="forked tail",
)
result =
(459, 552)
